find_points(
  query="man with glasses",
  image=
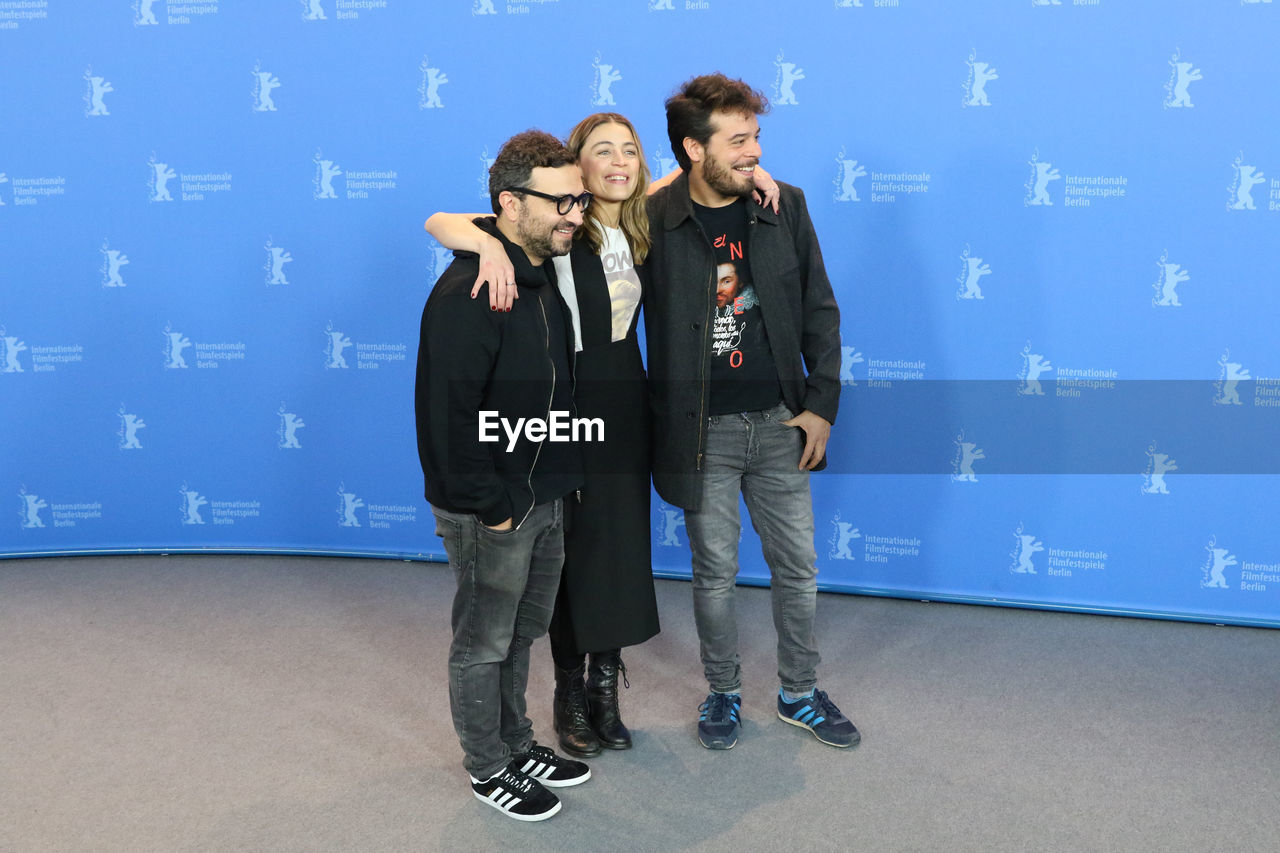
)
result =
(497, 497)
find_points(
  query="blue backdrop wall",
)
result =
(1052, 227)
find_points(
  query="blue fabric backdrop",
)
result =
(1052, 227)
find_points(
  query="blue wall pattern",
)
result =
(1052, 226)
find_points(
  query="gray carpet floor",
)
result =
(298, 704)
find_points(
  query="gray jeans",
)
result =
(754, 454)
(507, 586)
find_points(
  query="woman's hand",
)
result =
(766, 192)
(496, 269)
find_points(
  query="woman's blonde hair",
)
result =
(633, 220)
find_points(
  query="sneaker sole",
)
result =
(527, 818)
(540, 775)
(718, 745)
(808, 729)
(562, 783)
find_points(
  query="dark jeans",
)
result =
(507, 585)
(755, 455)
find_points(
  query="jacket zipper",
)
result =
(573, 390)
(704, 379)
(546, 328)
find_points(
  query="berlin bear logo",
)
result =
(1247, 177)
(486, 164)
(784, 81)
(338, 343)
(31, 506)
(429, 88)
(1230, 375)
(841, 539)
(1033, 367)
(672, 519)
(192, 501)
(1212, 573)
(1025, 548)
(606, 76)
(1158, 464)
(264, 83)
(128, 431)
(973, 269)
(967, 452)
(848, 173)
(175, 344)
(98, 87)
(112, 261)
(1182, 75)
(1038, 185)
(144, 15)
(276, 259)
(161, 174)
(12, 347)
(849, 356)
(1171, 275)
(290, 423)
(980, 73)
(347, 506)
(326, 171)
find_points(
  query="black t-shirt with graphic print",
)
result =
(743, 375)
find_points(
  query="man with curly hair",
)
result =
(744, 359)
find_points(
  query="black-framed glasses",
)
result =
(564, 203)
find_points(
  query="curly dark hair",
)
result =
(520, 155)
(689, 109)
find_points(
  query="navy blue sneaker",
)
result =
(718, 726)
(819, 714)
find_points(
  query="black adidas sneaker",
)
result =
(516, 795)
(542, 765)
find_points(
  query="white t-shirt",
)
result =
(619, 274)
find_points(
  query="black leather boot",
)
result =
(602, 700)
(569, 714)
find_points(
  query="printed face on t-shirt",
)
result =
(727, 284)
(744, 377)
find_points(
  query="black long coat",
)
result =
(607, 599)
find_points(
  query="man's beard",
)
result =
(542, 244)
(725, 181)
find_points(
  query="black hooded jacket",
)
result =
(517, 364)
